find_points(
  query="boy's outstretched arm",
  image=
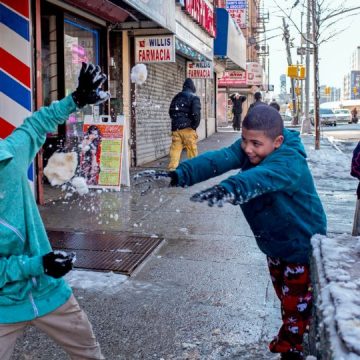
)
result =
(27, 139)
(270, 176)
(200, 168)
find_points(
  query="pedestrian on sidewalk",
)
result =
(237, 101)
(277, 195)
(275, 105)
(257, 97)
(185, 114)
(32, 288)
(354, 117)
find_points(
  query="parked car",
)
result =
(343, 116)
(327, 117)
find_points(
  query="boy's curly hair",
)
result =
(266, 119)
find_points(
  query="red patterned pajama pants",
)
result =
(293, 287)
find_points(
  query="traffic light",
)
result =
(327, 90)
(297, 90)
(292, 71)
(355, 90)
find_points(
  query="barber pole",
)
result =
(15, 67)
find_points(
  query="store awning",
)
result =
(230, 43)
(133, 13)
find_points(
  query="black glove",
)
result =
(215, 195)
(58, 263)
(152, 175)
(88, 90)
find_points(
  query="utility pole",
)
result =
(292, 80)
(316, 76)
(306, 128)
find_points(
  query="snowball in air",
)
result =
(61, 167)
(138, 74)
(79, 183)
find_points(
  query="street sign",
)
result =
(302, 51)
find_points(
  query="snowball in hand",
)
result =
(138, 74)
(61, 167)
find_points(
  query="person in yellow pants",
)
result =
(185, 138)
(185, 114)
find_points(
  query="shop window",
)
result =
(115, 75)
(81, 44)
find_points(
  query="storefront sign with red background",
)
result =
(202, 13)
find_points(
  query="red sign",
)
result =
(233, 78)
(202, 13)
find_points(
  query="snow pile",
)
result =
(138, 74)
(338, 269)
(61, 167)
(329, 164)
(108, 282)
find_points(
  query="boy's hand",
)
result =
(88, 91)
(58, 263)
(152, 175)
(215, 195)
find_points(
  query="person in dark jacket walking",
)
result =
(32, 288)
(185, 114)
(257, 97)
(276, 192)
(237, 101)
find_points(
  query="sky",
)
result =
(334, 55)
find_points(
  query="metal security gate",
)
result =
(153, 99)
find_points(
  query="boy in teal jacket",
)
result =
(276, 192)
(32, 290)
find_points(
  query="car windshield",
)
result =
(326, 111)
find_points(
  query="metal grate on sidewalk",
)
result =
(111, 251)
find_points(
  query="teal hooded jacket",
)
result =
(25, 291)
(277, 196)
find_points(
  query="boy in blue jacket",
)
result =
(276, 192)
(32, 290)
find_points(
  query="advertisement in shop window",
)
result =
(155, 49)
(199, 69)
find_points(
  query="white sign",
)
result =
(155, 49)
(200, 70)
(254, 73)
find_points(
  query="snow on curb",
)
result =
(337, 268)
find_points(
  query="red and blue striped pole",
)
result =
(15, 66)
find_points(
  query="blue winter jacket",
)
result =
(25, 291)
(277, 196)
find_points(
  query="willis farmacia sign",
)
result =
(155, 49)
(199, 70)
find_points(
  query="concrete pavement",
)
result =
(205, 294)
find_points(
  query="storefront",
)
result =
(193, 41)
(239, 76)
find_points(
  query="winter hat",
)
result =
(189, 85)
(264, 118)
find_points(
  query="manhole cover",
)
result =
(110, 251)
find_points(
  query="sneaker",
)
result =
(293, 355)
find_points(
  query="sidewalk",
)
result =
(206, 293)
